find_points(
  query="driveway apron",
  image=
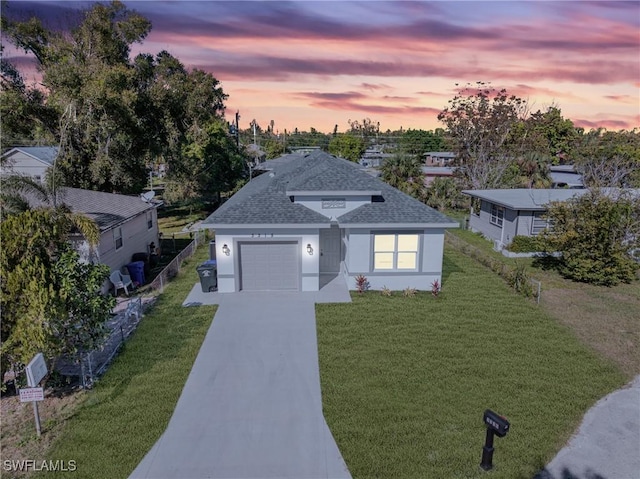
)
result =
(251, 406)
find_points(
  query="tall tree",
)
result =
(211, 163)
(26, 118)
(419, 142)
(609, 158)
(86, 73)
(550, 134)
(347, 146)
(367, 129)
(117, 117)
(482, 122)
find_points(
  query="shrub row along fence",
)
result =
(516, 276)
(93, 364)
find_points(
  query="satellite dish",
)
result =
(148, 196)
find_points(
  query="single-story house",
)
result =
(374, 157)
(313, 217)
(128, 225)
(439, 158)
(502, 214)
(32, 161)
(565, 176)
(432, 172)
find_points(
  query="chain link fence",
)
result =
(172, 269)
(93, 364)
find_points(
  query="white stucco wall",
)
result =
(359, 260)
(228, 266)
(315, 203)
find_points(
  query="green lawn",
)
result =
(405, 381)
(172, 219)
(129, 408)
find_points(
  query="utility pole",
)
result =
(237, 128)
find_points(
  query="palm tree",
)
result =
(405, 173)
(19, 193)
(534, 171)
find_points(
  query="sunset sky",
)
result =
(316, 64)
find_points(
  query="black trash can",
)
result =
(208, 274)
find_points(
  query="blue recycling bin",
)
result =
(136, 271)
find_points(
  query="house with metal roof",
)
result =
(313, 217)
(33, 161)
(565, 176)
(500, 215)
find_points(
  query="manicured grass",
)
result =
(172, 219)
(405, 381)
(604, 318)
(130, 407)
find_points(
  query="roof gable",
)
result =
(44, 154)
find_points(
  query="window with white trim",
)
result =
(497, 215)
(149, 219)
(395, 251)
(117, 237)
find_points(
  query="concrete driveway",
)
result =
(251, 406)
(607, 444)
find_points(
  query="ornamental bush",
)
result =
(525, 244)
(595, 234)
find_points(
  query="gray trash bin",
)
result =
(208, 273)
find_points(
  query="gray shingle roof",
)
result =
(265, 199)
(106, 209)
(46, 154)
(397, 208)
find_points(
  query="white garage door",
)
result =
(269, 266)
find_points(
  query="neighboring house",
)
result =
(373, 157)
(128, 224)
(32, 161)
(502, 214)
(314, 217)
(439, 158)
(565, 176)
(433, 172)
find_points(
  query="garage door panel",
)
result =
(269, 266)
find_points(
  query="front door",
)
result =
(330, 250)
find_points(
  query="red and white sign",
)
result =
(31, 394)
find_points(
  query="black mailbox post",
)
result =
(496, 425)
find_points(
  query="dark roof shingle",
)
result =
(265, 199)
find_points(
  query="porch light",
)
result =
(226, 250)
(309, 249)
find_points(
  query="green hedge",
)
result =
(525, 244)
